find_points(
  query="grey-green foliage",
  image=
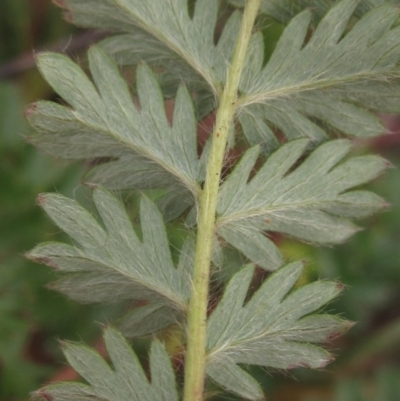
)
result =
(315, 83)
(126, 381)
(311, 202)
(102, 121)
(284, 10)
(330, 78)
(111, 263)
(272, 329)
(166, 35)
(306, 87)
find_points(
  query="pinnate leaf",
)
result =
(158, 32)
(334, 80)
(284, 10)
(125, 381)
(143, 149)
(331, 78)
(310, 200)
(274, 328)
(110, 262)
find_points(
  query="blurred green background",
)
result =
(33, 318)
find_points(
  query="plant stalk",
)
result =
(195, 363)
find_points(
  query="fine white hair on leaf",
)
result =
(110, 262)
(124, 380)
(276, 328)
(312, 201)
(333, 81)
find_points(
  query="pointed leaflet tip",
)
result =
(42, 260)
(41, 199)
(61, 3)
(44, 395)
(389, 164)
(68, 16)
(346, 326)
(30, 110)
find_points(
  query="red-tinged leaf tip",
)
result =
(328, 360)
(334, 335)
(340, 286)
(68, 16)
(42, 259)
(41, 199)
(30, 110)
(52, 286)
(61, 3)
(349, 324)
(45, 395)
(389, 164)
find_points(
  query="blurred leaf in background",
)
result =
(31, 317)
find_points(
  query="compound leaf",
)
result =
(308, 199)
(124, 381)
(284, 10)
(110, 262)
(158, 32)
(143, 150)
(274, 328)
(334, 80)
(328, 80)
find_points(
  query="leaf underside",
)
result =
(127, 380)
(110, 263)
(327, 75)
(285, 10)
(333, 81)
(311, 200)
(276, 328)
(102, 122)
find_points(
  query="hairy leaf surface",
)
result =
(124, 381)
(284, 10)
(274, 328)
(110, 262)
(158, 32)
(103, 122)
(333, 81)
(309, 201)
(331, 78)
(232, 378)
